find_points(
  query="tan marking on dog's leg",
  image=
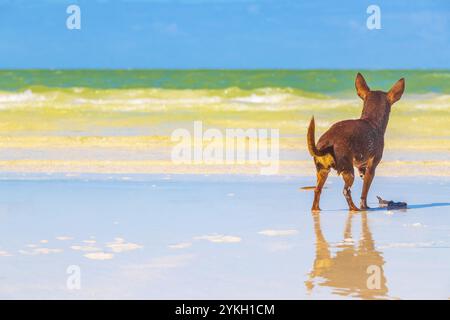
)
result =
(349, 177)
(322, 175)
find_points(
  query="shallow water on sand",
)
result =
(214, 237)
(119, 121)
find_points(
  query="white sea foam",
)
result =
(25, 96)
(266, 99)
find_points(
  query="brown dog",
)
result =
(357, 142)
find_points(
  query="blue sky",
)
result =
(224, 34)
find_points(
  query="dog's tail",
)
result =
(323, 158)
(312, 140)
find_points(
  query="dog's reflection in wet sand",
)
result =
(355, 270)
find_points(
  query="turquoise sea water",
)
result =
(317, 81)
(111, 115)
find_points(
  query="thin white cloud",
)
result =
(47, 250)
(4, 253)
(64, 238)
(38, 251)
(219, 238)
(88, 246)
(85, 248)
(99, 256)
(181, 245)
(278, 233)
(119, 245)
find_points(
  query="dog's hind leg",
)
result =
(349, 177)
(368, 177)
(322, 175)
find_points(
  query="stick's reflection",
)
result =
(355, 271)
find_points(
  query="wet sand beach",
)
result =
(220, 237)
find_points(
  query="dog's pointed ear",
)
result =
(396, 91)
(362, 89)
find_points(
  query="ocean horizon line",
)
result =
(226, 69)
(308, 80)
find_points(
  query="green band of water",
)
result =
(314, 81)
